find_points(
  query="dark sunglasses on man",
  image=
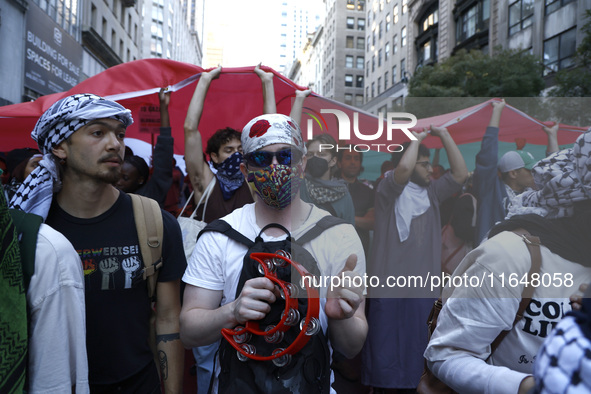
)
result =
(262, 158)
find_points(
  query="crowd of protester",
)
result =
(82, 281)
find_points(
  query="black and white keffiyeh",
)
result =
(563, 178)
(56, 125)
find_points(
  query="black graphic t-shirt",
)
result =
(117, 303)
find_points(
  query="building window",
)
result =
(359, 81)
(388, 19)
(373, 63)
(385, 80)
(404, 6)
(559, 51)
(395, 14)
(350, 22)
(425, 50)
(380, 30)
(360, 5)
(521, 15)
(348, 98)
(429, 21)
(360, 24)
(379, 85)
(387, 51)
(358, 100)
(403, 37)
(348, 61)
(395, 43)
(472, 20)
(373, 38)
(379, 58)
(402, 68)
(360, 60)
(553, 5)
(348, 80)
(360, 42)
(350, 41)
(393, 75)
(367, 69)
(350, 4)
(373, 89)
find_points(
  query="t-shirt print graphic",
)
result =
(108, 267)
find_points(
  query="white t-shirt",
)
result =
(217, 260)
(57, 336)
(475, 315)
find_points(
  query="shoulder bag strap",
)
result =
(150, 231)
(533, 246)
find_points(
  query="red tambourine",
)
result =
(310, 325)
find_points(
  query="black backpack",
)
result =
(309, 369)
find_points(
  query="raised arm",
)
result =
(407, 163)
(552, 133)
(199, 172)
(298, 104)
(164, 97)
(457, 165)
(269, 105)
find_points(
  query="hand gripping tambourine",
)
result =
(239, 337)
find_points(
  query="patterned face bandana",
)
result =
(277, 184)
(56, 125)
(563, 178)
(229, 175)
(271, 129)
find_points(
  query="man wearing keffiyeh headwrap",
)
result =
(82, 139)
(55, 126)
(559, 214)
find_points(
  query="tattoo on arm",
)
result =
(167, 337)
(163, 364)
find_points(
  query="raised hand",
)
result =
(263, 75)
(343, 301)
(420, 136)
(498, 105)
(551, 131)
(303, 93)
(164, 97)
(438, 131)
(212, 74)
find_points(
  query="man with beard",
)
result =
(407, 243)
(81, 137)
(274, 165)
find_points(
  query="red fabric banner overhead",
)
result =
(236, 97)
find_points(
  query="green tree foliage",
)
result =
(469, 78)
(576, 81)
(508, 73)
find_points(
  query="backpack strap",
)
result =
(150, 231)
(533, 246)
(322, 225)
(221, 226)
(27, 227)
